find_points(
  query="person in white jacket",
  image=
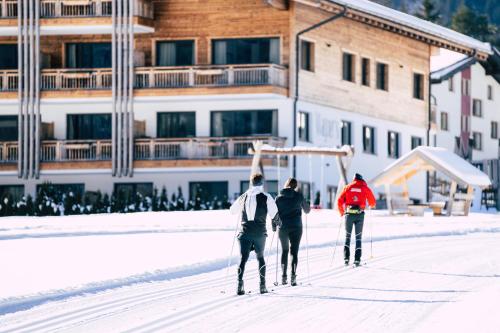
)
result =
(254, 206)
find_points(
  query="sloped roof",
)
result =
(413, 22)
(428, 159)
(447, 72)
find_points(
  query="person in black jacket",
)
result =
(254, 205)
(290, 205)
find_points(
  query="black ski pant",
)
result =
(290, 242)
(248, 243)
(355, 220)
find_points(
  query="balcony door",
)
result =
(8, 56)
(8, 128)
(88, 126)
(246, 51)
(244, 123)
(176, 124)
(88, 55)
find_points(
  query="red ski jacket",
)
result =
(355, 194)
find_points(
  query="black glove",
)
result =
(276, 222)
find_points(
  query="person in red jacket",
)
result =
(352, 204)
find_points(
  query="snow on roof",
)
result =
(410, 21)
(432, 158)
(447, 72)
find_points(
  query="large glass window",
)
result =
(175, 53)
(244, 123)
(8, 128)
(176, 124)
(8, 56)
(246, 51)
(16, 192)
(346, 133)
(303, 126)
(77, 189)
(307, 56)
(208, 191)
(88, 55)
(88, 126)
(369, 139)
(128, 190)
(393, 144)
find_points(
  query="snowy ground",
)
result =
(151, 272)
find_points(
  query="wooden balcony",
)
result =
(151, 78)
(190, 150)
(76, 8)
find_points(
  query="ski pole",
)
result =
(336, 241)
(307, 255)
(277, 252)
(231, 254)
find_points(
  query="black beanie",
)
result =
(358, 177)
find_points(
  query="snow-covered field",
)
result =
(150, 272)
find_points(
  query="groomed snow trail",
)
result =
(411, 285)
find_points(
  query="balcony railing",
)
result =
(75, 8)
(144, 149)
(156, 77)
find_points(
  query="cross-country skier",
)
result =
(254, 205)
(352, 203)
(290, 205)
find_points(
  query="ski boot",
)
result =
(263, 289)
(284, 280)
(357, 263)
(241, 290)
(346, 262)
(294, 280)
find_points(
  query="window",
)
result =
(208, 191)
(346, 133)
(244, 123)
(88, 55)
(348, 67)
(490, 92)
(465, 123)
(16, 192)
(451, 84)
(365, 72)
(477, 107)
(418, 86)
(465, 87)
(393, 144)
(246, 51)
(8, 128)
(477, 140)
(444, 121)
(307, 56)
(175, 53)
(176, 124)
(369, 140)
(271, 187)
(303, 126)
(77, 189)
(8, 56)
(494, 130)
(382, 77)
(416, 142)
(129, 190)
(88, 126)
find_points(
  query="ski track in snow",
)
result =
(397, 291)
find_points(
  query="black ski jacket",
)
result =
(290, 205)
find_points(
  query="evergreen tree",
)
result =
(428, 11)
(164, 204)
(155, 201)
(106, 204)
(181, 205)
(469, 23)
